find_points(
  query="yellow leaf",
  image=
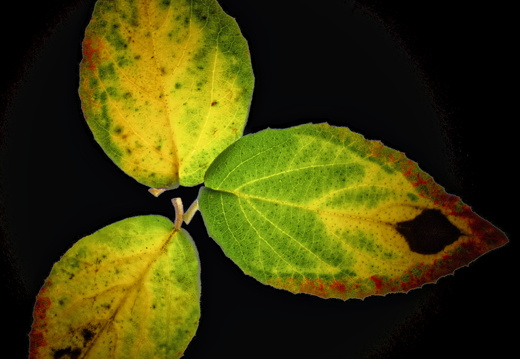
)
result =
(130, 290)
(165, 86)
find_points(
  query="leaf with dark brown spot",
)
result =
(134, 281)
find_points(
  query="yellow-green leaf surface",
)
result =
(321, 210)
(165, 86)
(130, 290)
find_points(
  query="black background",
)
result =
(427, 78)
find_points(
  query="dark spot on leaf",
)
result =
(429, 232)
(87, 335)
(214, 103)
(68, 353)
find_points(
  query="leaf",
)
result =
(321, 210)
(130, 290)
(165, 86)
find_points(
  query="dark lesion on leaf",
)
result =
(428, 233)
(87, 335)
(69, 352)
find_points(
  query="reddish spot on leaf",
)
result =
(39, 326)
(377, 281)
(315, 287)
(419, 181)
(90, 49)
(338, 286)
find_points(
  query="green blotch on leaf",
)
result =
(364, 197)
(166, 3)
(107, 72)
(413, 197)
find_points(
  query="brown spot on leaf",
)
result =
(69, 353)
(87, 335)
(428, 233)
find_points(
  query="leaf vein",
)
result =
(291, 237)
(267, 242)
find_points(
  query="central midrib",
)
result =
(129, 289)
(307, 208)
(164, 99)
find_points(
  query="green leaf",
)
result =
(130, 290)
(321, 210)
(165, 86)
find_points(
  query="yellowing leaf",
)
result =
(165, 86)
(321, 210)
(130, 290)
